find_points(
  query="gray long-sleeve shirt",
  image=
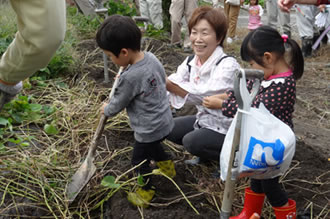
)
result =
(142, 91)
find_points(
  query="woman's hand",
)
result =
(174, 88)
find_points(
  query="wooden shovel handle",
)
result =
(103, 120)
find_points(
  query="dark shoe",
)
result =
(216, 174)
(315, 37)
(7, 93)
(5, 98)
(307, 47)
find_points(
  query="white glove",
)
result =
(321, 19)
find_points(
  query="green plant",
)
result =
(4, 43)
(60, 63)
(21, 110)
(160, 34)
(8, 26)
(80, 26)
(123, 7)
(260, 2)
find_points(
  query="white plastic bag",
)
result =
(226, 150)
(267, 146)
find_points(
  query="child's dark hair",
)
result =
(118, 32)
(266, 39)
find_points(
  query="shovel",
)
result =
(88, 168)
(228, 195)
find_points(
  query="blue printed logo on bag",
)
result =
(264, 154)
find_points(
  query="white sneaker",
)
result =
(229, 40)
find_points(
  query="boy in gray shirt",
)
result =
(142, 91)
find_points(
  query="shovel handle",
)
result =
(103, 120)
(251, 73)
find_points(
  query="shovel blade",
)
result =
(80, 179)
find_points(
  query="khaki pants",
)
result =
(41, 29)
(178, 9)
(232, 12)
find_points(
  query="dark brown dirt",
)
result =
(307, 181)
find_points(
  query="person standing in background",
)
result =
(307, 29)
(152, 9)
(178, 9)
(231, 8)
(255, 13)
(285, 5)
(41, 28)
(274, 15)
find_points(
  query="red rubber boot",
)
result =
(253, 203)
(288, 212)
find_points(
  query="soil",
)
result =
(307, 181)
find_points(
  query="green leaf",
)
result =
(49, 109)
(62, 85)
(25, 144)
(2, 147)
(17, 118)
(15, 141)
(41, 84)
(50, 129)
(140, 180)
(35, 107)
(109, 181)
(4, 121)
(27, 85)
(23, 98)
(33, 116)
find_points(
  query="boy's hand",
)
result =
(102, 108)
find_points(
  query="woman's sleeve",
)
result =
(180, 78)
(181, 75)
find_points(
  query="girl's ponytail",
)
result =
(296, 59)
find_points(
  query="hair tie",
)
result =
(285, 38)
